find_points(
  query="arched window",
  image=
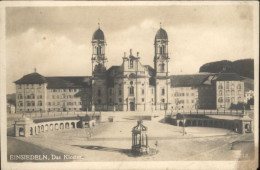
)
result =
(227, 99)
(98, 50)
(161, 50)
(220, 86)
(220, 100)
(220, 92)
(162, 67)
(227, 85)
(239, 86)
(131, 63)
(131, 90)
(227, 92)
(232, 92)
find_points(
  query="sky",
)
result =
(57, 40)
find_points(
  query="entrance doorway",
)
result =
(21, 131)
(132, 106)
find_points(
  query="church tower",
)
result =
(99, 83)
(98, 53)
(161, 57)
(161, 60)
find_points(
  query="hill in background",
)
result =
(244, 67)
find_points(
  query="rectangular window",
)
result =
(99, 92)
(163, 91)
(143, 91)
(120, 100)
(120, 92)
(142, 99)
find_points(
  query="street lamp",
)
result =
(183, 120)
(165, 107)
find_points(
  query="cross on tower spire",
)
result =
(98, 23)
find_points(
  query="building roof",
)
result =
(98, 35)
(111, 73)
(161, 34)
(188, 80)
(151, 71)
(68, 82)
(202, 79)
(33, 78)
(56, 82)
(228, 77)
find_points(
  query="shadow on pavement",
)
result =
(127, 152)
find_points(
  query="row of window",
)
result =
(227, 86)
(31, 96)
(30, 86)
(30, 103)
(110, 92)
(62, 109)
(63, 96)
(178, 101)
(183, 94)
(64, 90)
(63, 103)
(228, 99)
(227, 92)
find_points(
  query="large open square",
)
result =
(111, 141)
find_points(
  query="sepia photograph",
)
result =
(129, 85)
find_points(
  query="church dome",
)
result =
(161, 34)
(98, 35)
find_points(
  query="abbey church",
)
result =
(131, 86)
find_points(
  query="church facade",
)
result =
(131, 86)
